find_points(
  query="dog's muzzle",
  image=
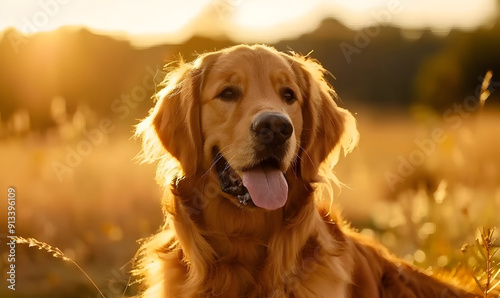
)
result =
(262, 183)
(272, 131)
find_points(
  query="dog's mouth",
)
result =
(262, 185)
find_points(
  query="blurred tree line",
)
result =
(73, 70)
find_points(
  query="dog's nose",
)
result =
(272, 129)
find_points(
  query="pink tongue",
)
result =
(267, 187)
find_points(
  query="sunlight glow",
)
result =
(242, 20)
(443, 14)
(154, 16)
(262, 14)
(266, 21)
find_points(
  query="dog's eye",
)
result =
(229, 94)
(288, 95)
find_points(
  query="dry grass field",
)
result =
(421, 183)
(76, 76)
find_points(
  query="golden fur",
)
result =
(212, 246)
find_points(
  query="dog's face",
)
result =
(249, 115)
(251, 123)
(251, 109)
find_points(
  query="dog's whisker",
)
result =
(218, 157)
(308, 156)
(298, 157)
(211, 166)
(227, 164)
(294, 164)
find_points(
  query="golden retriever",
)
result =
(245, 137)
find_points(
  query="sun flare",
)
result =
(176, 21)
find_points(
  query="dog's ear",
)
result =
(175, 119)
(326, 127)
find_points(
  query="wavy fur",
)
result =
(212, 247)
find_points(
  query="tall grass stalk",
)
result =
(56, 253)
(485, 93)
(486, 272)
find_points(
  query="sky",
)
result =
(242, 20)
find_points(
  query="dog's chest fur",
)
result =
(232, 252)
